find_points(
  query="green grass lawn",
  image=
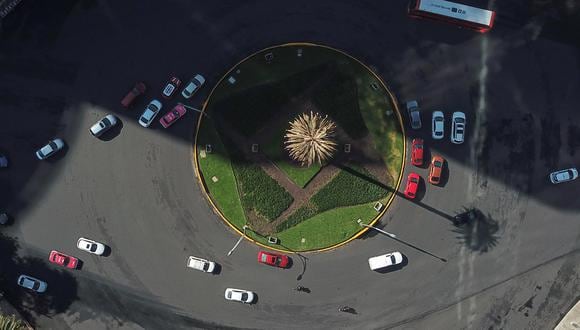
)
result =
(277, 154)
(224, 192)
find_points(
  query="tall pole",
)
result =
(239, 240)
(359, 221)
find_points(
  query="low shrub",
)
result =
(301, 214)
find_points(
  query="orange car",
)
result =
(435, 169)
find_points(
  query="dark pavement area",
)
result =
(64, 65)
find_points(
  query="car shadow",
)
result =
(256, 299)
(290, 263)
(57, 156)
(218, 269)
(9, 221)
(444, 175)
(80, 264)
(421, 190)
(395, 268)
(113, 132)
(107, 251)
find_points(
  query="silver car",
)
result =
(91, 246)
(193, 85)
(50, 149)
(564, 175)
(458, 127)
(32, 283)
(150, 113)
(438, 125)
(414, 114)
(103, 125)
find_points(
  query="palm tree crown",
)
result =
(310, 139)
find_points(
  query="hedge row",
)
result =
(352, 186)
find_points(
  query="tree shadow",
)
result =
(62, 286)
(478, 234)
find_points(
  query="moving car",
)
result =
(3, 161)
(173, 115)
(414, 114)
(435, 169)
(564, 175)
(50, 149)
(91, 246)
(62, 259)
(385, 260)
(32, 283)
(240, 295)
(200, 264)
(273, 259)
(412, 185)
(103, 125)
(150, 113)
(417, 152)
(171, 87)
(438, 125)
(194, 84)
(457, 127)
(139, 89)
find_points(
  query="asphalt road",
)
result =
(63, 67)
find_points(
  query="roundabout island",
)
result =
(297, 143)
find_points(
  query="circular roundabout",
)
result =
(300, 146)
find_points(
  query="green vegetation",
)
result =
(11, 323)
(224, 192)
(301, 214)
(260, 193)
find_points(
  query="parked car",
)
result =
(91, 246)
(412, 185)
(103, 125)
(194, 84)
(273, 259)
(62, 259)
(32, 283)
(150, 113)
(457, 127)
(172, 116)
(414, 114)
(4, 218)
(200, 264)
(385, 260)
(240, 295)
(417, 152)
(435, 169)
(564, 175)
(3, 161)
(50, 149)
(139, 89)
(438, 125)
(171, 87)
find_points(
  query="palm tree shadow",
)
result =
(478, 234)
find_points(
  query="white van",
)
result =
(200, 264)
(385, 260)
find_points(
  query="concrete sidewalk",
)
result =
(571, 320)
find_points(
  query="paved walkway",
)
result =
(571, 321)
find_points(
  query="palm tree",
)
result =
(310, 139)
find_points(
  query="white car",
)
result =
(200, 264)
(438, 125)
(243, 296)
(150, 113)
(32, 283)
(414, 114)
(91, 246)
(103, 125)
(193, 85)
(564, 175)
(385, 260)
(458, 127)
(50, 149)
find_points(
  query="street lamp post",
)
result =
(239, 240)
(192, 108)
(359, 221)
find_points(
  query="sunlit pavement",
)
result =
(517, 268)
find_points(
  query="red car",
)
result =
(63, 260)
(412, 185)
(171, 87)
(172, 116)
(273, 259)
(139, 89)
(417, 152)
(435, 170)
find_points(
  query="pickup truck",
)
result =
(200, 264)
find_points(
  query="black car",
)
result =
(461, 218)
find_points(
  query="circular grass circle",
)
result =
(247, 174)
